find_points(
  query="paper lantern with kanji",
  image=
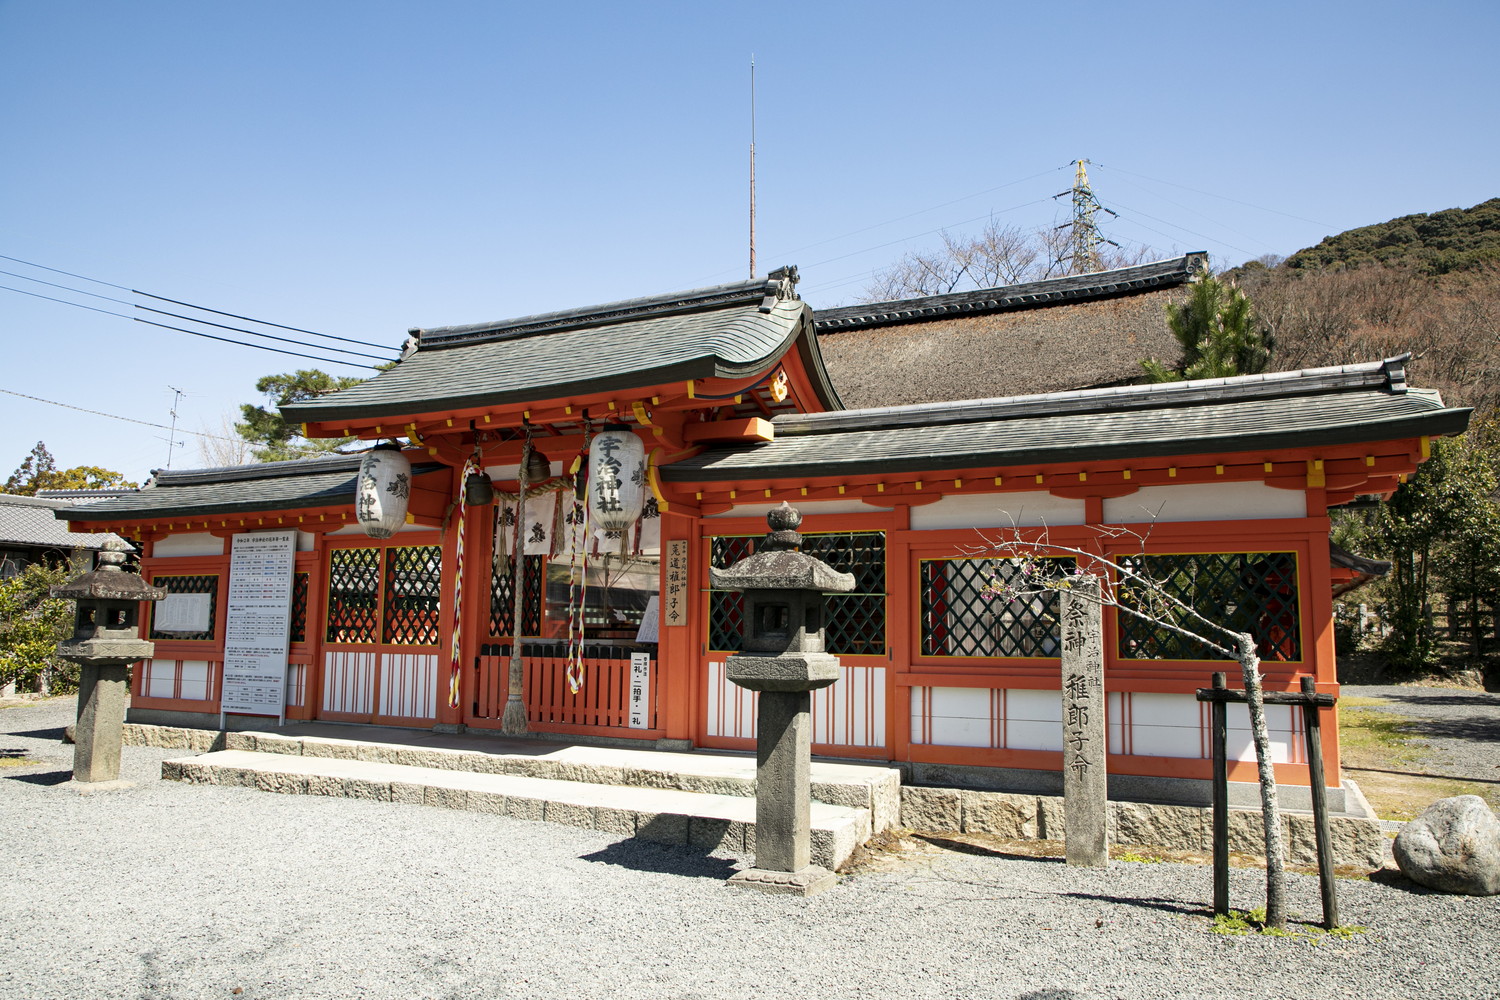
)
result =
(383, 490)
(617, 478)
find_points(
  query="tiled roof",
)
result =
(269, 486)
(725, 330)
(1029, 295)
(31, 521)
(1347, 404)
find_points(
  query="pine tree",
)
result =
(1219, 333)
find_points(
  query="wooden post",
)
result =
(1312, 724)
(1218, 715)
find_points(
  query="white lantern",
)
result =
(382, 493)
(617, 478)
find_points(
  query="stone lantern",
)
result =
(104, 643)
(783, 658)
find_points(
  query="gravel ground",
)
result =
(166, 890)
(1461, 726)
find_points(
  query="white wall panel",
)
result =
(760, 510)
(997, 510)
(195, 675)
(1205, 502)
(196, 544)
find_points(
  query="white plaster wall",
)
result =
(1205, 502)
(1017, 718)
(760, 510)
(199, 543)
(997, 510)
(1166, 725)
(355, 529)
(1033, 720)
(306, 541)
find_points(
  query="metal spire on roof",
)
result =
(752, 166)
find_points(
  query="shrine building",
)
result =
(1220, 488)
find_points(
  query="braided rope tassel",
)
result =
(455, 668)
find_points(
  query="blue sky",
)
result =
(358, 168)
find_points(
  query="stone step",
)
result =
(659, 815)
(856, 786)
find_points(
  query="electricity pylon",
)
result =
(1085, 239)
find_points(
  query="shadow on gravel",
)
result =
(1050, 994)
(667, 859)
(1165, 905)
(1392, 878)
(42, 734)
(964, 847)
(44, 778)
(1446, 700)
(1425, 774)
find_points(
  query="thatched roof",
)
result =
(1075, 332)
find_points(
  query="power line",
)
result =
(114, 416)
(1225, 197)
(902, 218)
(194, 333)
(253, 333)
(930, 232)
(175, 302)
(1190, 232)
(190, 319)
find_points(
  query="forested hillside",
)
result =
(1458, 239)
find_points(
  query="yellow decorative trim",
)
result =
(654, 481)
(1426, 447)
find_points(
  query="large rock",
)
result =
(1454, 846)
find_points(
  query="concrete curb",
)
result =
(659, 815)
(874, 788)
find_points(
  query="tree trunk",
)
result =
(1270, 810)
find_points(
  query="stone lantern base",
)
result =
(808, 882)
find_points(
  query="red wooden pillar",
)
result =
(903, 625)
(678, 658)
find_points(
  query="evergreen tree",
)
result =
(1219, 333)
(39, 471)
(271, 437)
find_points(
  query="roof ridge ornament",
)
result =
(780, 284)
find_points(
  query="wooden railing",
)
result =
(602, 702)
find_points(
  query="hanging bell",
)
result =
(479, 491)
(538, 469)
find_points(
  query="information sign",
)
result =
(258, 622)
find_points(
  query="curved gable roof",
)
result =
(726, 331)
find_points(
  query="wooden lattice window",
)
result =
(353, 595)
(298, 630)
(856, 621)
(503, 601)
(413, 595)
(959, 620)
(202, 584)
(1254, 592)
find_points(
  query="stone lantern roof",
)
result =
(779, 564)
(109, 582)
